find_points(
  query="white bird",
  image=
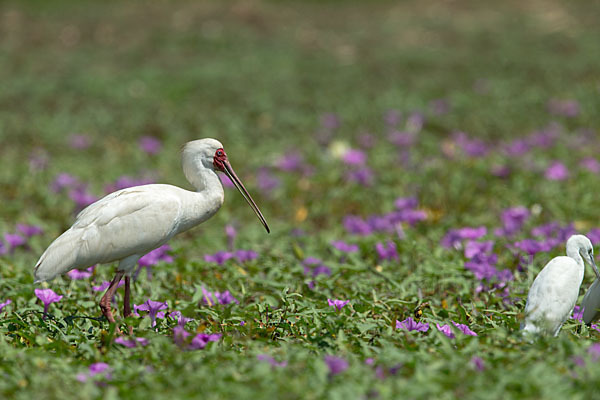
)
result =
(591, 303)
(554, 291)
(127, 224)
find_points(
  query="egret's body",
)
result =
(591, 303)
(554, 291)
(127, 224)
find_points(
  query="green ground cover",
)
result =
(485, 114)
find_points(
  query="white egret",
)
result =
(554, 291)
(591, 303)
(127, 224)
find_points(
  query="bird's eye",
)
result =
(220, 153)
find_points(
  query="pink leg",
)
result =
(105, 301)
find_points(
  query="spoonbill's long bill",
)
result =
(554, 291)
(127, 224)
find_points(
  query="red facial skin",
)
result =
(219, 160)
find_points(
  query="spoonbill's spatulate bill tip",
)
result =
(127, 224)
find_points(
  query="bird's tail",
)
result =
(59, 257)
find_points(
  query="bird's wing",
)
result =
(591, 303)
(129, 222)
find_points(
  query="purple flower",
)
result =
(153, 307)
(81, 197)
(464, 329)
(7, 302)
(76, 274)
(219, 257)
(14, 240)
(410, 324)
(411, 217)
(579, 361)
(500, 171)
(105, 286)
(454, 237)
(517, 148)
(150, 145)
(317, 267)
(202, 339)
(392, 118)
(402, 138)
(132, 341)
(156, 255)
(354, 157)
(557, 171)
(404, 203)
(362, 176)
(245, 255)
(471, 147)
(546, 137)
(594, 235)
(231, 233)
(591, 164)
(180, 335)
(564, 108)
(29, 230)
(387, 251)
(47, 296)
(181, 320)
(79, 141)
(473, 248)
(577, 314)
(344, 247)
(242, 323)
(271, 360)
(336, 365)
(446, 330)
(95, 369)
(594, 351)
(357, 225)
(339, 304)
(289, 162)
(62, 181)
(512, 220)
(531, 246)
(483, 266)
(213, 298)
(367, 140)
(226, 181)
(477, 363)
(266, 180)
(415, 122)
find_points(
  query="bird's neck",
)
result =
(209, 194)
(573, 252)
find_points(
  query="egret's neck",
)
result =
(573, 252)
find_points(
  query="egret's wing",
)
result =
(129, 222)
(591, 303)
(552, 295)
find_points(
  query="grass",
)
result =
(259, 76)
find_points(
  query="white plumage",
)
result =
(554, 291)
(127, 224)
